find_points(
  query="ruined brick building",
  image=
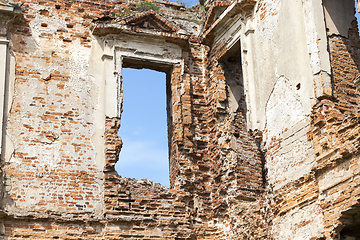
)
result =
(263, 119)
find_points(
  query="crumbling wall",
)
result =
(51, 129)
(65, 148)
(237, 161)
(73, 123)
(262, 120)
(322, 158)
(335, 133)
(293, 33)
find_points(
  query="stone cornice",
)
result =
(232, 8)
(9, 7)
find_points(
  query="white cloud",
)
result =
(144, 159)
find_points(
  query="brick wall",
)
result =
(54, 186)
(60, 190)
(335, 129)
(236, 159)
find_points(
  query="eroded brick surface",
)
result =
(257, 149)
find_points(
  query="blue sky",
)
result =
(144, 127)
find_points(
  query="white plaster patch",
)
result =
(287, 149)
(283, 109)
(312, 38)
(275, 166)
(299, 224)
(334, 176)
(268, 17)
(288, 163)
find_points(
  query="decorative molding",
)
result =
(9, 7)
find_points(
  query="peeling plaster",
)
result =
(283, 109)
(268, 17)
(303, 223)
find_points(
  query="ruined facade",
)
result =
(263, 121)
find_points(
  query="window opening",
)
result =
(144, 126)
(232, 67)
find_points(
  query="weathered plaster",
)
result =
(338, 19)
(268, 17)
(301, 223)
(293, 158)
(283, 107)
(317, 46)
(262, 120)
(282, 46)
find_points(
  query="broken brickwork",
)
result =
(262, 107)
(339, 116)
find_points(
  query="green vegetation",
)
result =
(140, 7)
(146, 6)
(122, 12)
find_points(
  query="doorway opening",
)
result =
(143, 130)
(351, 221)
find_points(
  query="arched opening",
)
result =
(143, 130)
